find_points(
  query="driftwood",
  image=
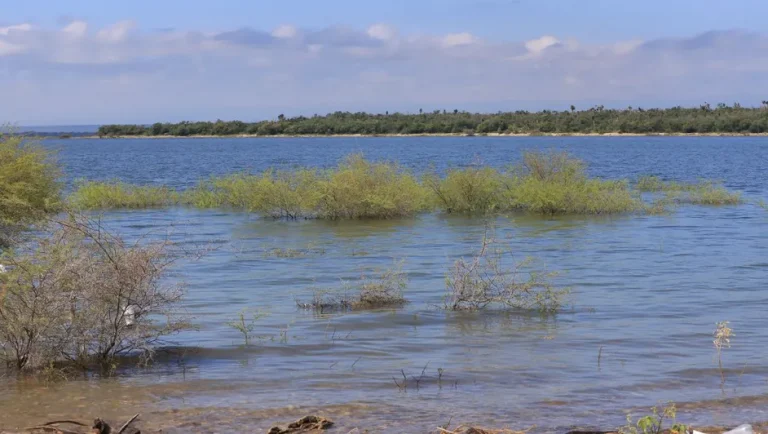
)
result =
(99, 426)
(477, 430)
(305, 424)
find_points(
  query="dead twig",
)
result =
(125, 425)
(50, 429)
(72, 422)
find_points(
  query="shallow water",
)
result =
(646, 293)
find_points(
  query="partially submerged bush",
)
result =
(474, 190)
(81, 295)
(557, 183)
(383, 290)
(277, 194)
(29, 186)
(709, 193)
(650, 184)
(358, 188)
(485, 281)
(115, 195)
(355, 189)
(706, 193)
(544, 183)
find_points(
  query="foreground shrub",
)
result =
(29, 187)
(115, 195)
(80, 295)
(485, 281)
(383, 290)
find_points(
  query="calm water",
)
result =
(645, 290)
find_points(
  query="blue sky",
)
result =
(89, 61)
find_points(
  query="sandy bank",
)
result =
(614, 134)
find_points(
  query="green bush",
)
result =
(701, 193)
(472, 190)
(358, 188)
(29, 183)
(544, 183)
(115, 195)
(710, 193)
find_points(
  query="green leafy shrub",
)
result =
(474, 190)
(358, 188)
(29, 184)
(115, 195)
(654, 422)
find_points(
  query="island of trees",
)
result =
(596, 120)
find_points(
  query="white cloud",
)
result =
(76, 28)
(381, 32)
(119, 73)
(7, 48)
(25, 27)
(626, 47)
(285, 32)
(537, 46)
(458, 39)
(116, 32)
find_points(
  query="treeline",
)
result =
(597, 120)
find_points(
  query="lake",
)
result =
(646, 292)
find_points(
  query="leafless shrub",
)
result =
(79, 294)
(384, 290)
(484, 281)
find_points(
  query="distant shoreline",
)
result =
(257, 136)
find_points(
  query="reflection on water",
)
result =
(646, 294)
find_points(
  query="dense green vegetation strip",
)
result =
(598, 120)
(543, 183)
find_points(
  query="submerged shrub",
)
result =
(383, 290)
(543, 183)
(710, 193)
(355, 189)
(471, 190)
(277, 194)
(650, 184)
(29, 186)
(485, 281)
(81, 295)
(358, 188)
(115, 195)
(705, 193)
(556, 183)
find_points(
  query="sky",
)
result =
(93, 62)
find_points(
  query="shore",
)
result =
(254, 136)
